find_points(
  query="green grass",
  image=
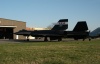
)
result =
(73, 52)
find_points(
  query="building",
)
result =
(39, 28)
(32, 29)
(9, 27)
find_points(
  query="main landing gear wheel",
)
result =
(45, 39)
(60, 39)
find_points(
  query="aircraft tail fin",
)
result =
(81, 26)
(62, 24)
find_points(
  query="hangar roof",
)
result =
(11, 20)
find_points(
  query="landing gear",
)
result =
(76, 39)
(45, 39)
(83, 39)
(59, 39)
(89, 39)
(27, 38)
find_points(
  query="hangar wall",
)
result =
(16, 25)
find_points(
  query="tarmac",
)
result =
(8, 41)
(31, 40)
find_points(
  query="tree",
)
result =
(50, 26)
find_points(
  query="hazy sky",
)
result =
(42, 13)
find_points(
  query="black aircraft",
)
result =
(80, 31)
(58, 31)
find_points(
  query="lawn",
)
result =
(71, 52)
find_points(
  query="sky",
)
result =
(42, 13)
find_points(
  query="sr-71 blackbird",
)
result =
(58, 31)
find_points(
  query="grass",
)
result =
(73, 52)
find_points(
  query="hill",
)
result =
(95, 32)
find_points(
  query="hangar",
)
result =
(8, 27)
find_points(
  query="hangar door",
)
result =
(6, 33)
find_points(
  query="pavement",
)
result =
(32, 40)
(8, 41)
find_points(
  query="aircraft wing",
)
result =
(23, 32)
(43, 35)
